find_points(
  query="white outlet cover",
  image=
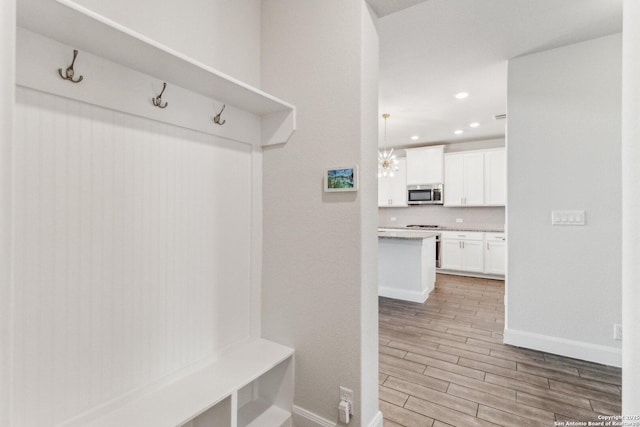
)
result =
(568, 217)
(617, 332)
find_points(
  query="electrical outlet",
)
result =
(347, 395)
(394, 219)
(617, 332)
(459, 220)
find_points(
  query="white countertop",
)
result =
(405, 234)
(480, 228)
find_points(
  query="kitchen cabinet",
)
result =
(392, 191)
(464, 179)
(406, 265)
(425, 165)
(495, 253)
(495, 177)
(462, 251)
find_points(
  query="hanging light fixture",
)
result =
(387, 161)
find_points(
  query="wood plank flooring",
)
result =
(443, 363)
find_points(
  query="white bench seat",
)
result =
(179, 402)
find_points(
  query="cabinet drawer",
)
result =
(495, 237)
(462, 235)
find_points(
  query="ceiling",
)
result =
(431, 50)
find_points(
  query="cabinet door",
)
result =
(433, 164)
(473, 178)
(472, 255)
(398, 185)
(384, 194)
(453, 180)
(424, 165)
(495, 258)
(495, 177)
(451, 254)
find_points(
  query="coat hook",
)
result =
(69, 72)
(216, 119)
(157, 101)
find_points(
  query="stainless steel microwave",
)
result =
(430, 194)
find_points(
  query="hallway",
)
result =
(443, 363)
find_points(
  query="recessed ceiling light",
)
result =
(474, 124)
(458, 131)
(461, 95)
(415, 137)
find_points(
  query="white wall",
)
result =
(368, 236)
(630, 208)
(564, 283)
(7, 89)
(135, 242)
(484, 217)
(319, 283)
(224, 34)
(126, 247)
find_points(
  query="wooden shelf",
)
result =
(182, 400)
(72, 24)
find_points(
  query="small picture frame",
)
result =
(341, 179)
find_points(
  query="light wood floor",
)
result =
(443, 363)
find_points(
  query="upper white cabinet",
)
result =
(475, 178)
(425, 165)
(464, 179)
(495, 177)
(392, 191)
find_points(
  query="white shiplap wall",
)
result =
(132, 253)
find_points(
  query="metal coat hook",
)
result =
(69, 72)
(216, 119)
(157, 101)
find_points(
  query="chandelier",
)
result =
(387, 161)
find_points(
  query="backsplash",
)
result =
(440, 215)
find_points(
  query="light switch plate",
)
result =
(568, 217)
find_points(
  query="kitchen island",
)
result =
(406, 264)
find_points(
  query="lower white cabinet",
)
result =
(462, 251)
(495, 253)
(474, 252)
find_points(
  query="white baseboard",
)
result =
(470, 274)
(413, 296)
(611, 356)
(377, 421)
(304, 418)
